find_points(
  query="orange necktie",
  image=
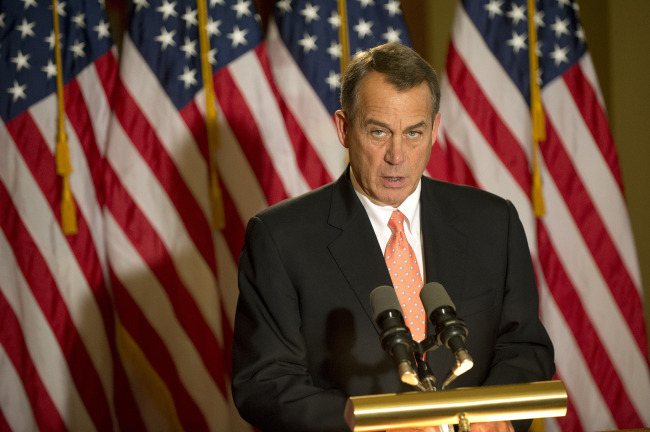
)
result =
(407, 279)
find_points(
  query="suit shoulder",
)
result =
(450, 192)
(300, 208)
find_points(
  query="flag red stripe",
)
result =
(595, 234)
(309, 162)
(3, 421)
(487, 120)
(153, 251)
(595, 118)
(145, 140)
(13, 340)
(54, 308)
(612, 389)
(571, 421)
(148, 340)
(243, 125)
(454, 163)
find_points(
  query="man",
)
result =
(305, 339)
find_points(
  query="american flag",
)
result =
(174, 278)
(583, 248)
(59, 364)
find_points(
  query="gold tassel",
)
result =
(62, 153)
(343, 35)
(212, 125)
(537, 113)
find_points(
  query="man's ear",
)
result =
(436, 123)
(342, 127)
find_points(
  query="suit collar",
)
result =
(363, 267)
(445, 244)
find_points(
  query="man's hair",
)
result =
(401, 67)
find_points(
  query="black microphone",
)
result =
(450, 331)
(395, 336)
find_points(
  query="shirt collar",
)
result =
(379, 215)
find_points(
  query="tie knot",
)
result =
(396, 221)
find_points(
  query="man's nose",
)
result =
(395, 151)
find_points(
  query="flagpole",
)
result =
(537, 113)
(211, 123)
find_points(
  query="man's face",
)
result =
(390, 140)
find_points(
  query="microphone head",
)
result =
(433, 296)
(383, 298)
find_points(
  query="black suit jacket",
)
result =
(305, 339)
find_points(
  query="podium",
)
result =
(456, 406)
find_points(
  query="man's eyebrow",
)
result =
(372, 121)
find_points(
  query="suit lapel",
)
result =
(363, 267)
(445, 245)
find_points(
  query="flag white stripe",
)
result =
(134, 274)
(15, 407)
(41, 343)
(571, 365)
(253, 86)
(164, 119)
(593, 170)
(142, 185)
(305, 105)
(596, 297)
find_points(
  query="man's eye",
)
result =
(413, 133)
(378, 133)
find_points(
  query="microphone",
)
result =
(449, 330)
(395, 337)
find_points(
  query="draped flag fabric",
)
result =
(583, 249)
(127, 324)
(59, 366)
(174, 278)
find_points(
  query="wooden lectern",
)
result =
(457, 406)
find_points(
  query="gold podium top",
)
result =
(477, 404)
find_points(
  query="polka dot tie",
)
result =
(407, 279)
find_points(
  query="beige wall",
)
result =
(620, 47)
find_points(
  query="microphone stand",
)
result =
(426, 381)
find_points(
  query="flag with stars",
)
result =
(59, 365)
(582, 246)
(174, 277)
(304, 54)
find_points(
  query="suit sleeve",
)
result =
(272, 387)
(523, 351)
